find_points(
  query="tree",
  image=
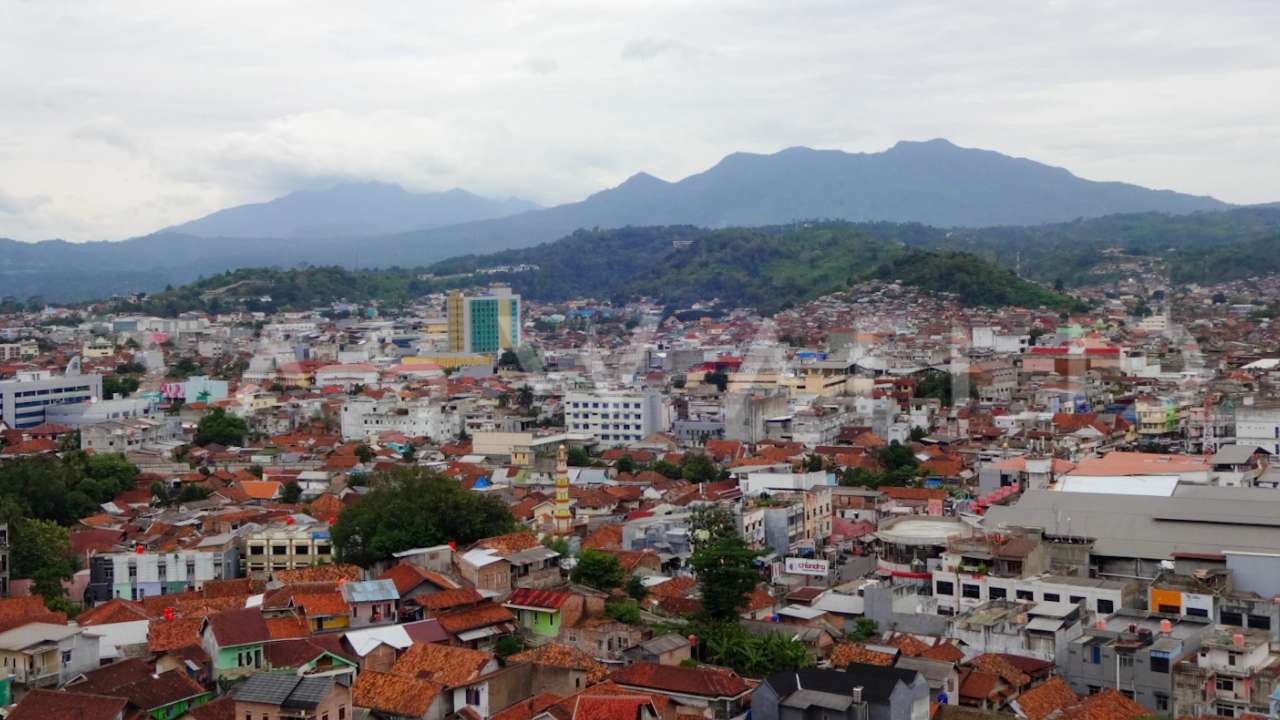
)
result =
(717, 378)
(509, 361)
(596, 569)
(558, 544)
(41, 550)
(508, 645)
(698, 468)
(726, 573)
(292, 492)
(410, 507)
(918, 433)
(409, 455)
(711, 523)
(863, 629)
(364, 453)
(813, 463)
(624, 611)
(193, 492)
(524, 397)
(578, 457)
(756, 655)
(635, 588)
(625, 464)
(220, 428)
(121, 386)
(184, 368)
(666, 469)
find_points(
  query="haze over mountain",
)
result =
(932, 182)
(350, 209)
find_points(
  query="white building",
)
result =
(23, 399)
(616, 417)
(347, 375)
(364, 417)
(1259, 426)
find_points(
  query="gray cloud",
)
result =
(123, 121)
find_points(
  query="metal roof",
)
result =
(370, 591)
(286, 691)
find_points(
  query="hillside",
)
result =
(765, 268)
(349, 210)
(934, 183)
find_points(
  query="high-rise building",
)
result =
(484, 323)
(23, 399)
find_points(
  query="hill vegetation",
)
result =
(765, 268)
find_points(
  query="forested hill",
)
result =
(765, 268)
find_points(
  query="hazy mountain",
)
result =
(934, 182)
(931, 182)
(350, 209)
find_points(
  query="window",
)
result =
(1094, 689)
(1076, 599)
(942, 587)
(1226, 711)
(1052, 597)
(1127, 693)
(1232, 658)
(1106, 606)
(66, 657)
(1162, 702)
(1233, 617)
(1095, 654)
(1260, 622)
(342, 712)
(1197, 612)
(1159, 663)
(1126, 661)
(997, 593)
(1225, 684)
(1025, 595)
(971, 591)
(473, 696)
(257, 549)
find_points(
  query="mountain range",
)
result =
(933, 182)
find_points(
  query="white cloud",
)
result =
(123, 117)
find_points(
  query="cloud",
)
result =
(125, 121)
(541, 65)
(645, 49)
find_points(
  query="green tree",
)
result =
(509, 361)
(410, 507)
(666, 469)
(597, 569)
(635, 588)
(711, 523)
(409, 455)
(754, 655)
(508, 645)
(292, 492)
(624, 611)
(192, 492)
(184, 368)
(578, 457)
(220, 428)
(717, 378)
(698, 468)
(364, 453)
(121, 386)
(625, 464)
(918, 433)
(863, 629)
(558, 544)
(41, 551)
(813, 463)
(726, 572)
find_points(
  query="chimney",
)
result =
(857, 694)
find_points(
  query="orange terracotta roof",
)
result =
(116, 610)
(511, 543)
(1106, 705)
(322, 604)
(319, 573)
(442, 663)
(472, 618)
(997, 665)
(846, 653)
(166, 635)
(1046, 698)
(446, 599)
(287, 626)
(563, 656)
(398, 695)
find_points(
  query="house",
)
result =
(54, 705)
(234, 640)
(478, 626)
(376, 648)
(372, 602)
(713, 692)
(544, 612)
(669, 649)
(445, 664)
(268, 695)
(561, 669)
(859, 692)
(317, 655)
(398, 696)
(164, 695)
(324, 610)
(412, 581)
(41, 654)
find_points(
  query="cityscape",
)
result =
(906, 430)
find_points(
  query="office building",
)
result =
(616, 416)
(23, 399)
(484, 323)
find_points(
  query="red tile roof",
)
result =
(116, 610)
(472, 618)
(698, 681)
(1046, 698)
(529, 597)
(51, 705)
(442, 663)
(166, 635)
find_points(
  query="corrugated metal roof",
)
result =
(370, 591)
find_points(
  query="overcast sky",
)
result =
(118, 118)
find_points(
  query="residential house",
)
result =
(55, 705)
(278, 696)
(545, 612)
(385, 695)
(372, 602)
(714, 693)
(859, 692)
(234, 641)
(41, 654)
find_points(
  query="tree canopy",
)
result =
(597, 569)
(221, 428)
(411, 507)
(726, 573)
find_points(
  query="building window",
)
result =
(1259, 622)
(1225, 684)
(971, 591)
(1126, 661)
(1232, 618)
(997, 593)
(1162, 702)
(1025, 595)
(1095, 654)
(1106, 606)
(1159, 663)
(944, 588)
(1052, 597)
(1076, 599)
(1197, 612)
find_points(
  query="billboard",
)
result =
(807, 566)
